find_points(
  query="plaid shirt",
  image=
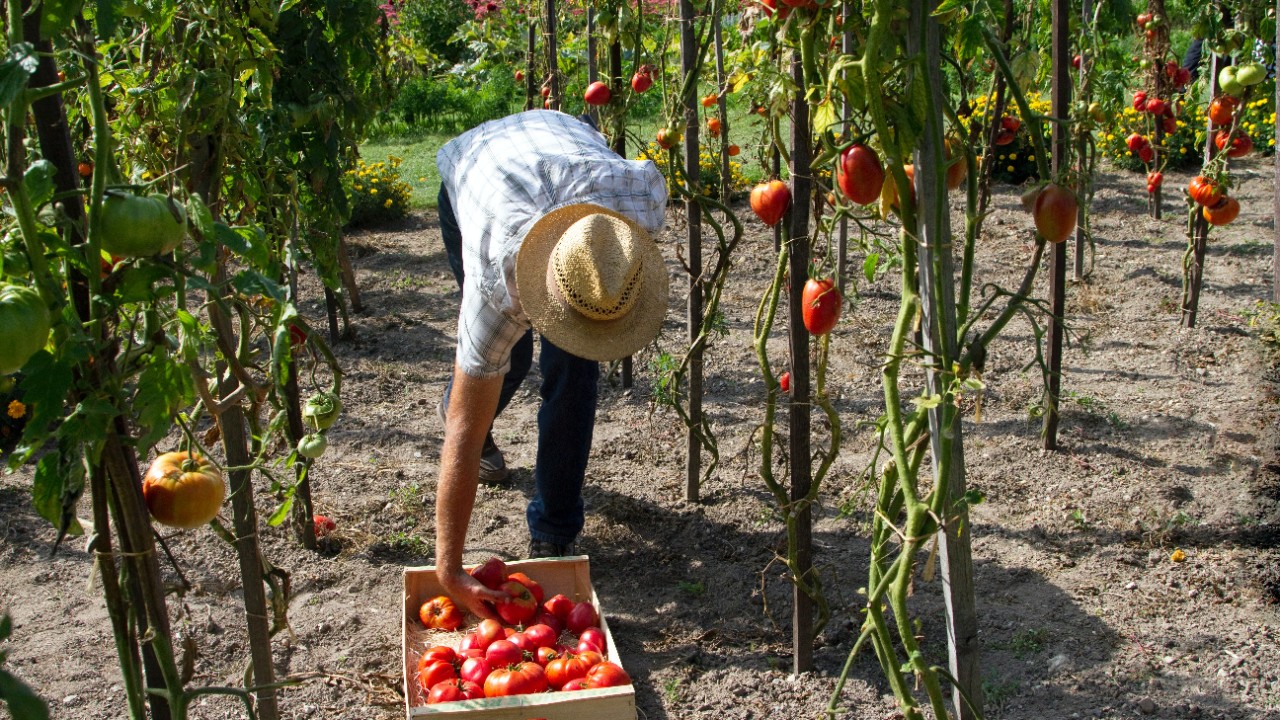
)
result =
(501, 178)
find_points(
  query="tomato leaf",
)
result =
(144, 283)
(56, 15)
(164, 387)
(249, 243)
(253, 283)
(56, 488)
(47, 382)
(23, 703)
(38, 182)
(869, 266)
(14, 72)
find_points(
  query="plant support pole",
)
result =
(1061, 104)
(693, 211)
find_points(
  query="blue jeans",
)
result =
(566, 418)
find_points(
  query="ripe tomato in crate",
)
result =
(570, 577)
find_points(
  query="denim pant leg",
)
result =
(522, 353)
(565, 423)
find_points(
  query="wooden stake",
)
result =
(693, 211)
(1058, 255)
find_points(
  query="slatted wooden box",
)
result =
(570, 576)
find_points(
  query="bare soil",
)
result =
(1168, 442)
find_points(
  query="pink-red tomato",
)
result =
(521, 679)
(582, 616)
(545, 618)
(519, 607)
(820, 305)
(597, 93)
(641, 81)
(607, 674)
(770, 201)
(489, 630)
(491, 573)
(860, 174)
(503, 652)
(577, 684)
(595, 636)
(1222, 111)
(1055, 213)
(475, 669)
(784, 382)
(437, 653)
(473, 641)
(541, 635)
(1204, 191)
(522, 641)
(1241, 144)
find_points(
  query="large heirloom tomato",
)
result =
(453, 690)
(24, 326)
(820, 305)
(435, 672)
(519, 607)
(607, 674)
(1204, 191)
(183, 490)
(1223, 212)
(565, 668)
(859, 174)
(520, 679)
(141, 226)
(440, 613)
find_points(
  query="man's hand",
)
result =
(469, 593)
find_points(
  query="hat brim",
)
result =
(600, 340)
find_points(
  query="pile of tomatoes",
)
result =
(546, 644)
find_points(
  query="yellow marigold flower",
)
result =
(387, 204)
(373, 191)
(1178, 556)
(1032, 158)
(1009, 168)
(1013, 156)
(17, 409)
(357, 187)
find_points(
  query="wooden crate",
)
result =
(568, 576)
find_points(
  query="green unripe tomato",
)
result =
(313, 445)
(1251, 73)
(321, 410)
(24, 326)
(141, 226)
(1228, 81)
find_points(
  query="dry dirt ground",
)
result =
(1168, 437)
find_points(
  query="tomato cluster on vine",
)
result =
(542, 644)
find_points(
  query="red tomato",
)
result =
(322, 525)
(503, 652)
(582, 616)
(1075, 62)
(709, 100)
(669, 137)
(85, 169)
(519, 607)
(523, 642)
(1204, 191)
(1005, 137)
(1146, 154)
(734, 150)
(1222, 111)
(541, 635)
(436, 653)
(491, 573)
(1055, 213)
(475, 670)
(578, 684)
(1223, 212)
(770, 201)
(1012, 124)
(559, 607)
(957, 166)
(769, 7)
(533, 585)
(1143, 19)
(860, 174)
(434, 672)
(439, 613)
(563, 669)
(454, 690)
(545, 655)
(713, 126)
(820, 304)
(521, 679)
(607, 674)
(641, 81)
(1169, 125)
(1140, 100)
(1241, 144)
(597, 93)
(1156, 106)
(595, 636)
(784, 382)
(1155, 178)
(1136, 142)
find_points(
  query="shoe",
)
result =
(493, 467)
(543, 549)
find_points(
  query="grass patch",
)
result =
(418, 167)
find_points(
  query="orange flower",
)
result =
(17, 409)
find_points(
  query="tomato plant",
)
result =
(183, 490)
(822, 303)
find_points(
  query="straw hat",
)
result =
(592, 281)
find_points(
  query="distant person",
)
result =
(545, 227)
